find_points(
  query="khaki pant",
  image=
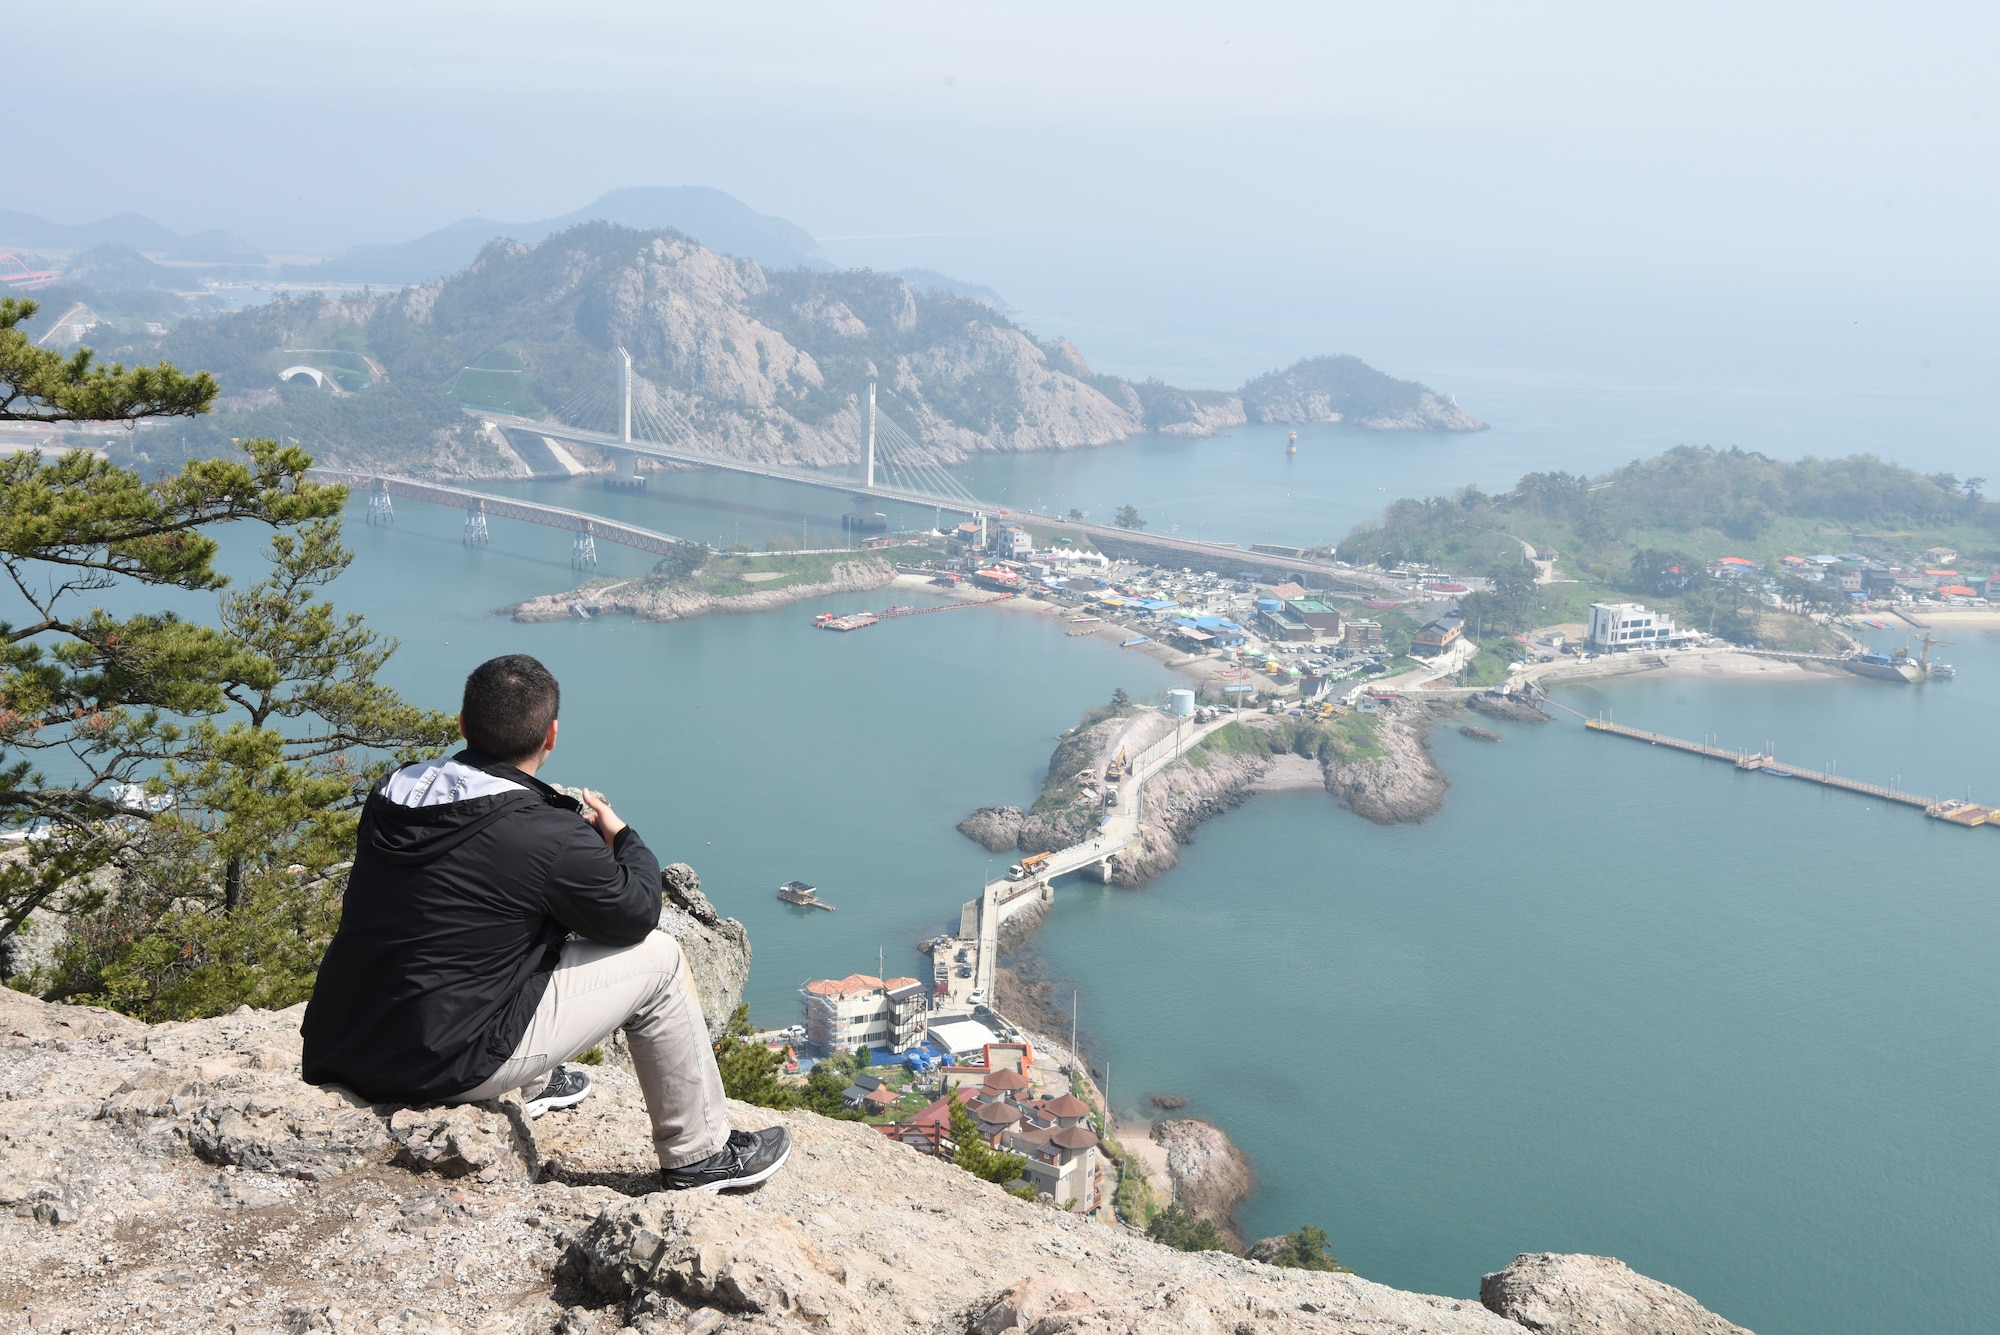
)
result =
(645, 990)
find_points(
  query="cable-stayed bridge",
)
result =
(626, 412)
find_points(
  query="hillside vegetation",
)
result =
(770, 364)
(1676, 512)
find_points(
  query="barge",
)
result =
(805, 896)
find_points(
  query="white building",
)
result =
(1014, 543)
(1626, 626)
(846, 1013)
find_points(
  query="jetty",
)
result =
(981, 919)
(1966, 812)
(857, 620)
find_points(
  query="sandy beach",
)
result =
(1947, 618)
(1701, 664)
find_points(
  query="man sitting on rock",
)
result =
(493, 928)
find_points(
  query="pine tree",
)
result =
(973, 1154)
(750, 1070)
(205, 778)
(1174, 1227)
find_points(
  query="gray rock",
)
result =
(1268, 1250)
(995, 829)
(1210, 1176)
(118, 1225)
(282, 1126)
(1560, 1294)
(1402, 785)
(717, 948)
(1518, 707)
(490, 1141)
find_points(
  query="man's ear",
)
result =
(549, 741)
(460, 720)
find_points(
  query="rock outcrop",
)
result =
(995, 829)
(1401, 785)
(1519, 708)
(717, 948)
(664, 600)
(1178, 799)
(180, 1180)
(1559, 1294)
(1209, 1175)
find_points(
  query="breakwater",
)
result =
(1967, 812)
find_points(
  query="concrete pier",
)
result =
(1957, 812)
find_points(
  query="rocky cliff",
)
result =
(1178, 799)
(180, 1180)
(1401, 784)
(1209, 1176)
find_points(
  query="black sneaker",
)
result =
(748, 1158)
(567, 1087)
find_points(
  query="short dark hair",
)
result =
(509, 703)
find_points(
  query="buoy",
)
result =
(1293, 447)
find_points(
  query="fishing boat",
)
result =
(1136, 639)
(805, 896)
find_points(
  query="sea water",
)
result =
(1736, 1030)
(1733, 1029)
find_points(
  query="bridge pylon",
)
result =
(475, 526)
(583, 551)
(868, 455)
(625, 396)
(381, 510)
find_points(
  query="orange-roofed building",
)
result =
(861, 1010)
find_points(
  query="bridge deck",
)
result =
(503, 507)
(1220, 555)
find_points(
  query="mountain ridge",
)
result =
(765, 364)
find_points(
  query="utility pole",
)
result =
(1072, 1032)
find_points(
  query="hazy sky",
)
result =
(1262, 163)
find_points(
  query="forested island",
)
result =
(1659, 530)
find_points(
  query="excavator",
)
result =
(1119, 767)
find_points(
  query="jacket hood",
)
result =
(423, 811)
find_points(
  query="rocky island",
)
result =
(723, 582)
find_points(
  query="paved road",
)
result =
(1120, 827)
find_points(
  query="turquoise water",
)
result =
(1737, 1031)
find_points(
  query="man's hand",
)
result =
(599, 813)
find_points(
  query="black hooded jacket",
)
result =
(468, 876)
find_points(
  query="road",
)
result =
(1119, 827)
(1219, 554)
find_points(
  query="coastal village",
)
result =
(1361, 643)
